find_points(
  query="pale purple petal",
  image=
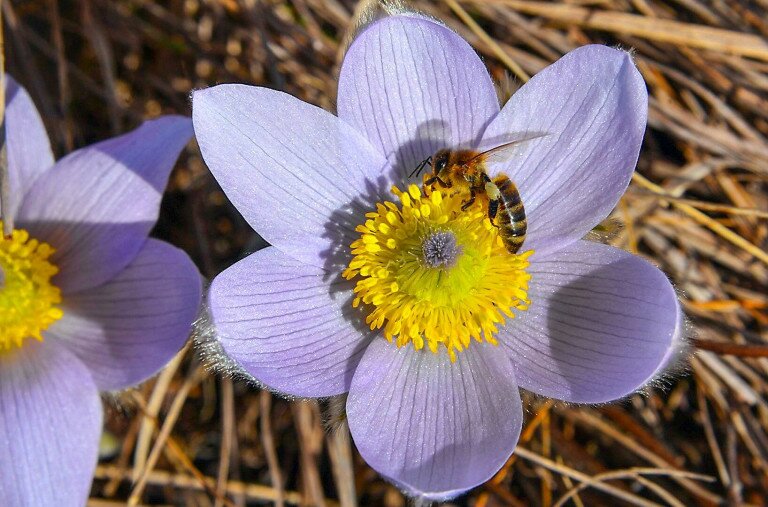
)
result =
(601, 323)
(413, 86)
(50, 423)
(29, 150)
(98, 204)
(130, 327)
(301, 177)
(592, 104)
(287, 325)
(434, 427)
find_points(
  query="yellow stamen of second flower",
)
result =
(28, 299)
(432, 274)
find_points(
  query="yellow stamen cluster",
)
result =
(418, 302)
(27, 298)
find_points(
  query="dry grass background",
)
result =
(697, 208)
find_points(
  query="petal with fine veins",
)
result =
(602, 322)
(288, 325)
(98, 204)
(434, 427)
(29, 150)
(413, 86)
(592, 105)
(50, 423)
(298, 174)
(128, 328)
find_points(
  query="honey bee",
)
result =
(467, 170)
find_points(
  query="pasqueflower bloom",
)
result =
(87, 301)
(405, 301)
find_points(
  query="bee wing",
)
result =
(505, 152)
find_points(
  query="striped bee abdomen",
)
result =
(511, 215)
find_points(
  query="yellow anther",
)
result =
(28, 299)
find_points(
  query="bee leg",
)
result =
(493, 209)
(442, 183)
(469, 202)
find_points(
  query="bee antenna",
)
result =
(419, 167)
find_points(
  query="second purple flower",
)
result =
(88, 302)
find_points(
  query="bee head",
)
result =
(440, 162)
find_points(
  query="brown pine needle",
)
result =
(662, 30)
(709, 206)
(636, 474)
(251, 491)
(734, 349)
(727, 305)
(165, 431)
(483, 35)
(632, 499)
(703, 219)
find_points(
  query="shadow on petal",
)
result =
(89, 254)
(347, 217)
(430, 137)
(344, 219)
(128, 328)
(607, 340)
